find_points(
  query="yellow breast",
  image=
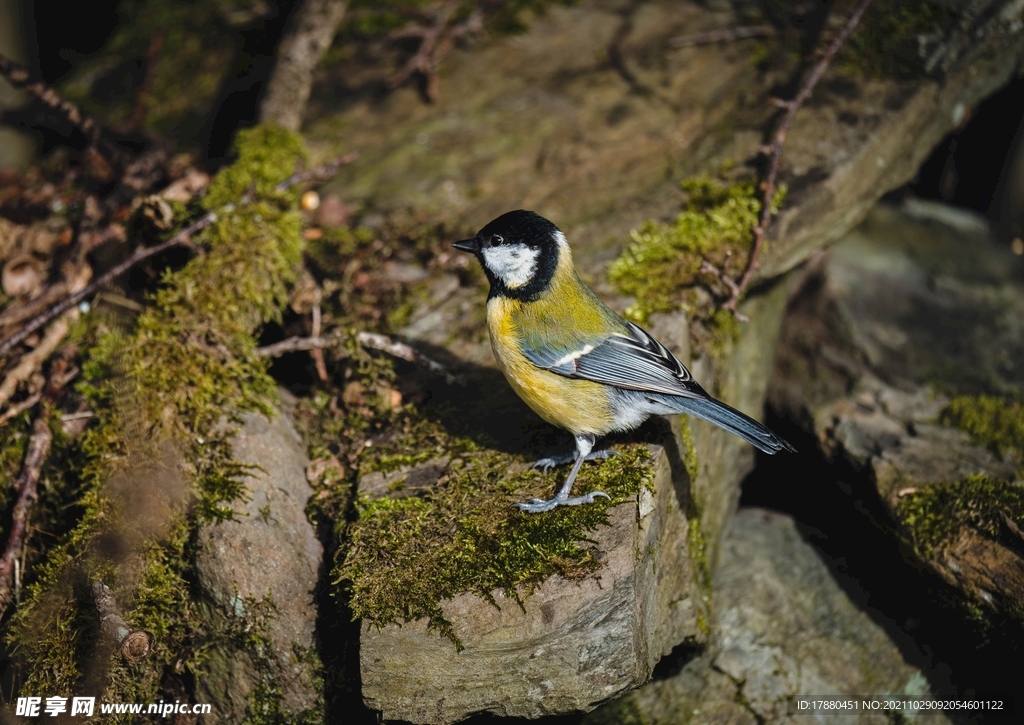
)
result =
(579, 406)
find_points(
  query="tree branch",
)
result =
(723, 36)
(27, 484)
(20, 77)
(774, 150)
(308, 35)
(370, 340)
(136, 645)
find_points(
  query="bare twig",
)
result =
(370, 340)
(425, 59)
(142, 96)
(719, 273)
(436, 40)
(317, 353)
(136, 644)
(300, 344)
(21, 407)
(27, 484)
(320, 173)
(34, 359)
(20, 77)
(774, 150)
(49, 295)
(723, 36)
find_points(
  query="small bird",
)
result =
(575, 362)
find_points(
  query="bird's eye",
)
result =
(497, 240)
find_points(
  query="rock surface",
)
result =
(617, 116)
(916, 301)
(784, 632)
(270, 553)
(572, 645)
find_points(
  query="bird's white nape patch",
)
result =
(513, 264)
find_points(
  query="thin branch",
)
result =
(320, 173)
(136, 644)
(15, 314)
(20, 77)
(723, 36)
(425, 59)
(720, 274)
(369, 340)
(34, 359)
(27, 484)
(142, 96)
(317, 353)
(300, 344)
(774, 149)
(20, 408)
(376, 341)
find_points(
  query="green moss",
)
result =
(661, 268)
(933, 516)
(406, 556)
(994, 422)
(161, 392)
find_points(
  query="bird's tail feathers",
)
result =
(733, 421)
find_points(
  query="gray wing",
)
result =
(634, 361)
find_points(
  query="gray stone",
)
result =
(572, 645)
(785, 631)
(270, 552)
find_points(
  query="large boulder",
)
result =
(786, 636)
(258, 573)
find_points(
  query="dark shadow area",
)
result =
(965, 168)
(238, 101)
(673, 663)
(839, 513)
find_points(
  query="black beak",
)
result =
(468, 245)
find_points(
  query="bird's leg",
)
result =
(584, 445)
(546, 464)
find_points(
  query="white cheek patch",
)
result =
(512, 264)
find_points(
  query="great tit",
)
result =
(575, 362)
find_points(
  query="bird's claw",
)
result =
(546, 464)
(536, 505)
